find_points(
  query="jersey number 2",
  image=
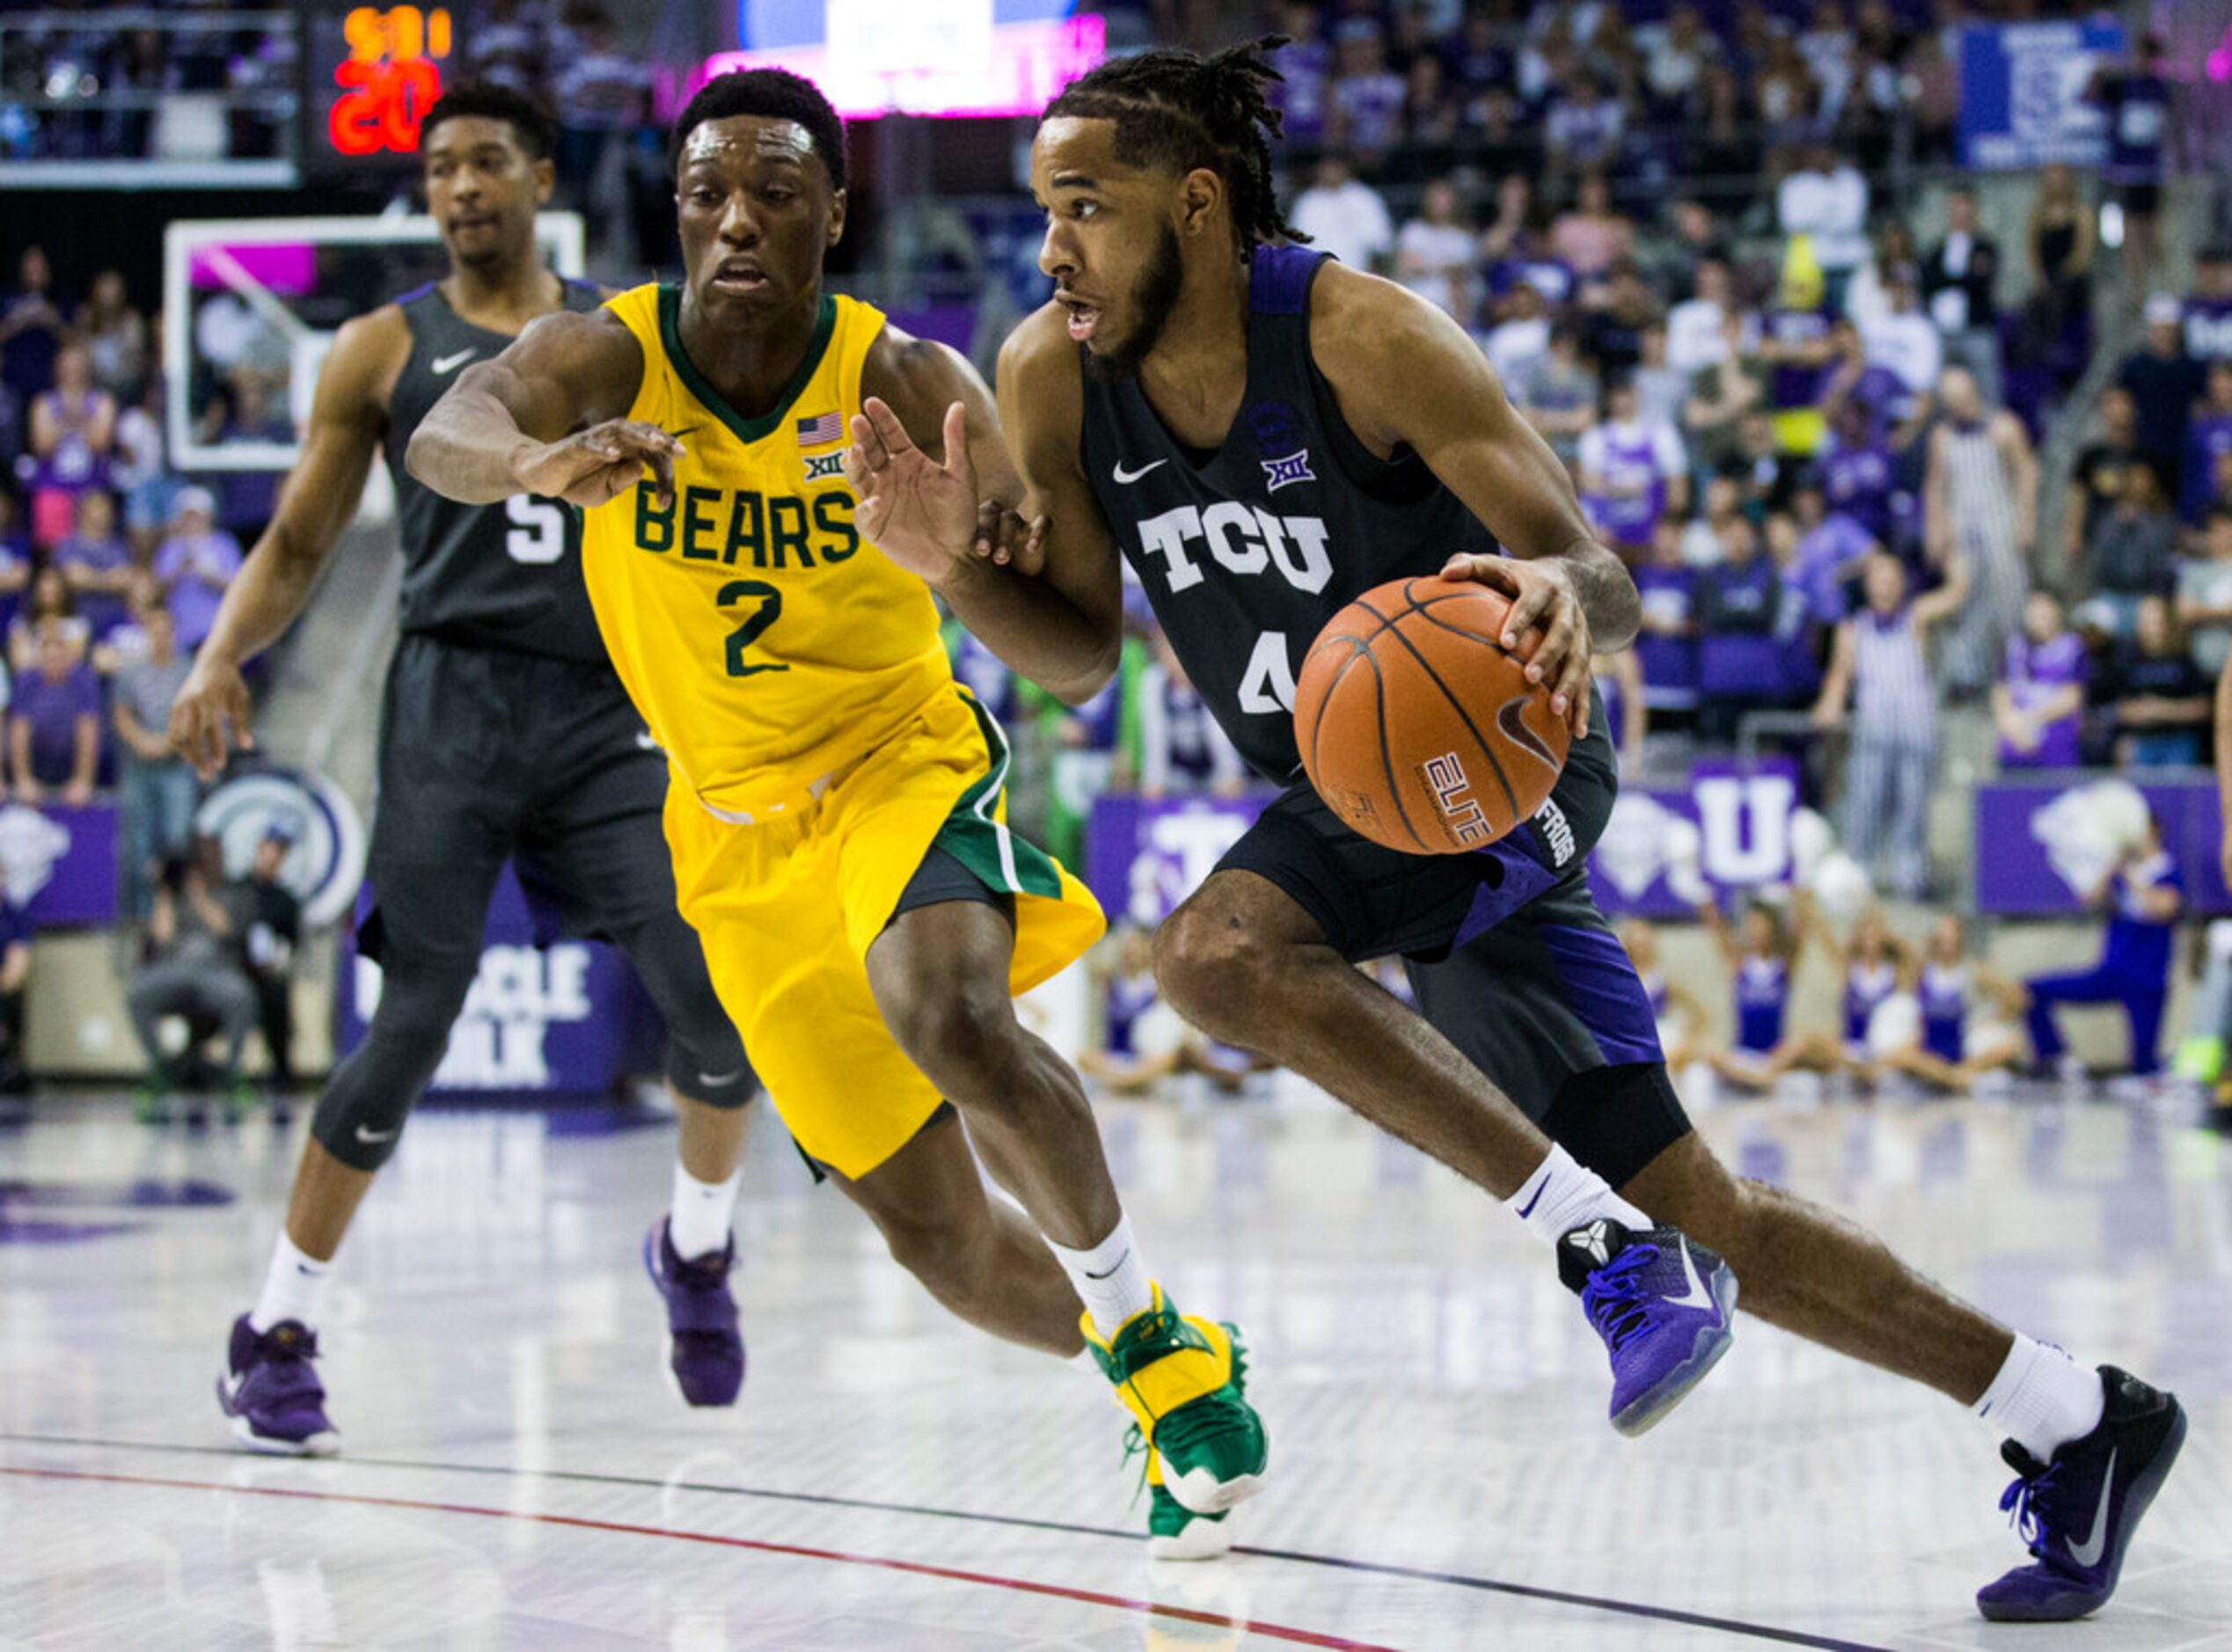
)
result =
(536, 536)
(771, 608)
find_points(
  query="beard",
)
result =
(1153, 300)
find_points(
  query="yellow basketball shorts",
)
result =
(787, 910)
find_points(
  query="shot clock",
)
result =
(370, 74)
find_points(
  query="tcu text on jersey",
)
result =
(1242, 539)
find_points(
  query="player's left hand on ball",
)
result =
(1542, 596)
(1005, 538)
(919, 513)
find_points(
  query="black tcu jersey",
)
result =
(1245, 554)
(505, 576)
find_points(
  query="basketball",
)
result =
(1418, 727)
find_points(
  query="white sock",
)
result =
(1561, 1195)
(1112, 1278)
(698, 1223)
(2042, 1399)
(294, 1288)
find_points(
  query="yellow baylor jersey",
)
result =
(766, 644)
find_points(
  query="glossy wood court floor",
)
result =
(518, 1475)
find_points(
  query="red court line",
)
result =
(1017, 1585)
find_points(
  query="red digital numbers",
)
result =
(389, 80)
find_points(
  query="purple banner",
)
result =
(2038, 848)
(61, 863)
(568, 1018)
(1732, 822)
(1143, 857)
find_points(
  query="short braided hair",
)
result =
(1176, 109)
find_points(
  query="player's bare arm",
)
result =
(546, 417)
(347, 416)
(1405, 375)
(1054, 608)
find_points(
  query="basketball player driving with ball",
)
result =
(1265, 434)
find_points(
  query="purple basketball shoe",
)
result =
(705, 1343)
(274, 1400)
(2079, 1511)
(1662, 1307)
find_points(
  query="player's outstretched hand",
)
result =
(1005, 538)
(1542, 596)
(921, 514)
(599, 464)
(211, 717)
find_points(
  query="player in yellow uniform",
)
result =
(836, 808)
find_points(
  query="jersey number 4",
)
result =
(770, 610)
(1268, 685)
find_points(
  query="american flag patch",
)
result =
(821, 429)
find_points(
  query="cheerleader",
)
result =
(1679, 1013)
(1760, 960)
(1963, 1024)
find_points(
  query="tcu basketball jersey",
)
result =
(503, 576)
(766, 644)
(1247, 551)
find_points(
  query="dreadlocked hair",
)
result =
(1176, 109)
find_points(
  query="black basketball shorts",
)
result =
(1507, 952)
(485, 756)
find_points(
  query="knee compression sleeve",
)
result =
(361, 1115)
(705, 1059)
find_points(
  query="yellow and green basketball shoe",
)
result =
(1181, 1379)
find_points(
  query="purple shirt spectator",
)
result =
(1584, 127)
(1794, 384)
(1301, 96)
(2208, 327)
(1884, 395)
(53, 709)
(2031, 674)
(1824, 565)
(1858, 482)
(2208, 439)
(196, 568)
(1668, 656)
(102, 610)
(1739, 598)
(1371, 106)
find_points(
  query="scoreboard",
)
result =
(369, 74)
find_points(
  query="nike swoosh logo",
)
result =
(714, 1080)
(442, 364)
(2087, 1553)
(1119, 1261)
(1693, 1292)
(1511, 717)
(373, 1138)
(1528, 1210)
(1124, 478)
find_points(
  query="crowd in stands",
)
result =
(110, 567)
(1796, 404)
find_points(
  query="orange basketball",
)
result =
(1418, 727)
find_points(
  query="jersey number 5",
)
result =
(536, 536)
(771, 608)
